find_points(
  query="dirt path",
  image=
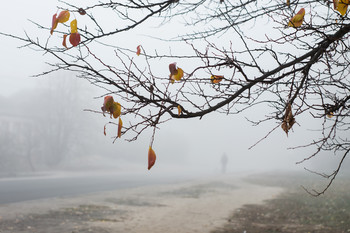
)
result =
(194, 206)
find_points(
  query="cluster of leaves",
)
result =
(74, 36)
(114, 108)
(109, 105)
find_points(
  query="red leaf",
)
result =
(151, 158)
(64, 43)
(107, 104)
(138, 50)
(54, 23)
(172, 68)
(74, 38)
(82, 11)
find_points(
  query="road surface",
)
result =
(32, 188)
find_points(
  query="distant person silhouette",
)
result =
(224, 161)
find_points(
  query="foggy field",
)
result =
(272, 202)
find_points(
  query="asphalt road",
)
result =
(33, 188)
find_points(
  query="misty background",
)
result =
(44, 128)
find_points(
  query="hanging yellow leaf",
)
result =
(175, 73)
(120, 126)
(216, 78)
(138, 50)
(288, 120)
(342, 6)
(297, 20)
(116, 109)
(288, 2)
(74, 26)
(64, 43)
(151, 157)
(179, 75)
(179, 110)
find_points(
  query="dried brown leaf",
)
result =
(288, 120)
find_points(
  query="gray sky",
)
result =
(201, 142)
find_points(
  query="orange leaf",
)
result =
(175, 73)
(120, 125)
(64, 41)
(297, 20)
(114, 108)
(107, 104)
(138, 50)
(151, 157)
(179, 110)
(63, 16)
(54, 23)
(216, 78)
(74, 38)
(104, 130)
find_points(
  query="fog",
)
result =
(44, 128)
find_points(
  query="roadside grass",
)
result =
(295, 211)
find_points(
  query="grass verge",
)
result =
(294, 210)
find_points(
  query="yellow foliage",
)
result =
(342, 6)
(297, 20)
